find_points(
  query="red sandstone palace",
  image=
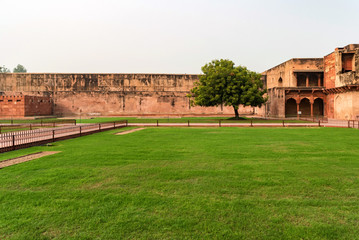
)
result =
(310, 87)
(315, 87)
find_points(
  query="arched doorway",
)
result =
(318, 107)
(304, 107)
(291, 108)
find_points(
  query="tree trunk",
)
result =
(236, 114)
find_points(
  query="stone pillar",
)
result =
(307, 80)
(298, 110)
(311, 109)
(325, 110)
(319, 80)
(311, 105)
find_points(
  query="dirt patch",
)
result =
(13, 161)
(129, 131)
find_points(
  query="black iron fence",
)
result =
(39, 121)
(25, 138)
(322, 119)
(11, 126)
(15, 140)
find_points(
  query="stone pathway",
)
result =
(129, 131)
(17, 160)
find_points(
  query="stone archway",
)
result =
(318, 107)
(304, 107)
(291, 108)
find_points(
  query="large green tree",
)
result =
(20, 69)
(224, 83)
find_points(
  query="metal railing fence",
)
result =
(15, 140)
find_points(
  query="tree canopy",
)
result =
(20, 69)
(224, 83)
(4, 69)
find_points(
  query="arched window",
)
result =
(280, 81)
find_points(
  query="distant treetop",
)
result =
(4, 69)
(20, 69)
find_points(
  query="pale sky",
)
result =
(169, 36)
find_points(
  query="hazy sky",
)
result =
(169, 36)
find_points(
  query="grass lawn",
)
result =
(185, 120)
(187, 183)
(10, 120)
(21, 128)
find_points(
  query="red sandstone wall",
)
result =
(113, 94)
(329, 70)
(276, 103)
(112, 103)
(329, 106)
(38, 106)
(12, 106)
(21, 106)
(329, 82)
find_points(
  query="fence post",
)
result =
(13, 141)
(358, 126)
(283, 123)
(53, 135)
(80, 131)
(219, 123)
(348, 123)
(30, 127)
(75, 122)
(319, 123)
(251, 123)
(157, 122)
(188, 123)
(126, 123)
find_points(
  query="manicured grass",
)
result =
(14, 120)
(185, 120)
(21, 128)
(187, 183)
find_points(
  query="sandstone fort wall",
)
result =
(112, 94)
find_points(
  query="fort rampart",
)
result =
(112, 94)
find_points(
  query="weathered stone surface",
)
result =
(283, 83)
(112, 94)
(326, 86)
(21, 106)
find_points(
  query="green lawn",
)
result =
(15, 120)
(21, 128)
(187, 183)
(184, 120)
